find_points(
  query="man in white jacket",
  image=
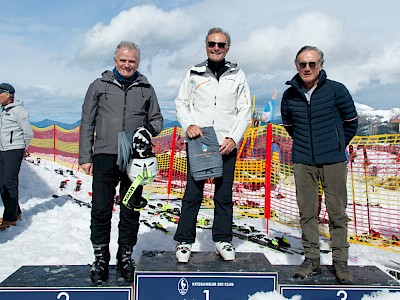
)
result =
(213, 93)
(15, 135)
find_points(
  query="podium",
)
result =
(206, 276)
(367, 280)
(63, 282)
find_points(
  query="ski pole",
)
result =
(351, 158)
(366, 185)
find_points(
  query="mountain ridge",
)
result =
(368, 117)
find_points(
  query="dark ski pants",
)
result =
(106, 177)
(333, 179)
(223, 212)
(10, 165)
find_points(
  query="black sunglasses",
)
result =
(221, 45)
(312, 64)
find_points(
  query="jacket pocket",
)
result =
(11, 137)
(340, 146)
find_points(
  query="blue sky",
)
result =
(52, 50)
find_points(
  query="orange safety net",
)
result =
(373, 176)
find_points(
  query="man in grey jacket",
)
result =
(122, 100)
(15, 135)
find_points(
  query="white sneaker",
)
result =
(183, 251)
(226, 250)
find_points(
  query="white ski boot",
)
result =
(226, 250)
(183, 251)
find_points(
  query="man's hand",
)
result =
(194, 131)
(26, 153)
(227, 146)
(87, 168)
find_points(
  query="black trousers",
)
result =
(106, 177)
(10, 165)
(223, 212)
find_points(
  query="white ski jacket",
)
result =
(15, 129)
(225, 104)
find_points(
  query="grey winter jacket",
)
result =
(15, 129)
(109, 109)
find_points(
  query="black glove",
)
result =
(143, 152)
(141, 138)
(141, 143)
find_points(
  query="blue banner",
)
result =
(95, 293)
(199, 285)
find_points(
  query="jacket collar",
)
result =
(297, 83)
(201, 68)
(108, 75)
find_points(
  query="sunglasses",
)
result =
(3, 91)
(311, 64)
(221, 45)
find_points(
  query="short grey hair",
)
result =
(310, 48)
(219, 30)
(127, 45)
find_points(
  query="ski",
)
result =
(261, 240)
(323, 239)
(281, 242)
(156, 226)
(74, 200)
(172, 214)
(249, 233)
(165, 208)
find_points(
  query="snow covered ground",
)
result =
(56, 230)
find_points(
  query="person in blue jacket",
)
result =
(320, 115)
(15, 136)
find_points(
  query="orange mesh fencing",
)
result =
(57, 144)
(373, 177)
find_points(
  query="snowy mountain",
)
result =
(371, 120)
(378, 115)
(375, 121)
(46, 123)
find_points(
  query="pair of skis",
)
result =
(74, 200)
(172, 214)
(156, 226)
(278, 244)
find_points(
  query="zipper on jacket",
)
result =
(124, 111)
(310, 128)
(215, 108)
(309, 119)
(338, 138)
(125, 100)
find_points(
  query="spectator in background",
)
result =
(319, 114)
(213, 94)
(121, 101)
(16, 134)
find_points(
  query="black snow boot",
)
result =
(99, 270)
(125, 264)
